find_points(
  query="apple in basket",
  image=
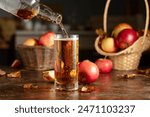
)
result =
(88, 72)
(30, 42)
(126, 38)
(47, 39)
(118, 28)
(104, 65)
(108, 45)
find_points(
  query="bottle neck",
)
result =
(27, 9)
(47, 14)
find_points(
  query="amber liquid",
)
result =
(29, 14)
(66, 61)
(25, 14)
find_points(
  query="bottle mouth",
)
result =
(30, 2)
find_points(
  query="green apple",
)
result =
(30, 42)
(108, 45)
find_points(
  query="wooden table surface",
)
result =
(107, 87)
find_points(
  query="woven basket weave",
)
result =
(36, 57)
(129, 58)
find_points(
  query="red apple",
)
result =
(108, 45)
(104, 65)
(118, 28)
(47, 39)
(126, 38)
(88, 71)
(30, 42)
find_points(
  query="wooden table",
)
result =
(107, 87)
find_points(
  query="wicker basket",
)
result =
(129, 58)
(36, 57)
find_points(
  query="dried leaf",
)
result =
(2, 72)
(30, 86)
(16, 74)
(87, 89)
(134, 76)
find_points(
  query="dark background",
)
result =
(80, 12)
(87, 15)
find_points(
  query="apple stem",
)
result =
(105, 57)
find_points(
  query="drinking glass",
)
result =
(66, 52)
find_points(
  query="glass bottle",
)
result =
(27, 9)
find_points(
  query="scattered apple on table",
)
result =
(88, 71)
(104, 65)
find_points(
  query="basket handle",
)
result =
(146, 22)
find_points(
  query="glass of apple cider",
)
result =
(66, 52)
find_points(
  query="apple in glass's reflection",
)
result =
(102, 88)
(105, 82)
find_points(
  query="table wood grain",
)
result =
(107, 87)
